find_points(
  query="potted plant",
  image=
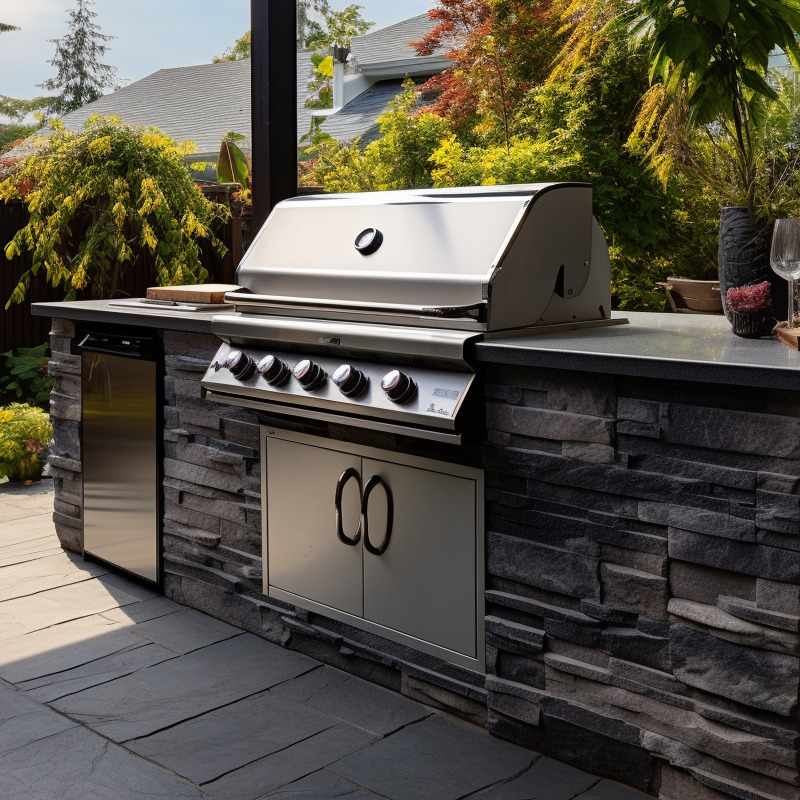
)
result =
(24, 435)
(707, 113)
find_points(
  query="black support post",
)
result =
(274, 104)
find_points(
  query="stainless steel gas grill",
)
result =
(360, 308)
(359, 311)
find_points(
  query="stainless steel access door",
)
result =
(120, 462)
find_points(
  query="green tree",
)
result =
(339, 27)
(238, 51)
(4, 27)
(100, 197)
(80, 76)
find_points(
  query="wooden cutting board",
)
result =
(789, 336)
(199, 293)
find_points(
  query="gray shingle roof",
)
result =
(200, 103)
(392, 42)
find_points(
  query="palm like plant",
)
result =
(709, 62)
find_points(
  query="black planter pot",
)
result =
(744, 257)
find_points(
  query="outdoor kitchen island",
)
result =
(642, 541)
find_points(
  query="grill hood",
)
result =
(481, 259)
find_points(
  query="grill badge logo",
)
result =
(450, 393)
(433, 410)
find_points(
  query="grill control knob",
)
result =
(399, 387)
(309, 375)
(241, 366)
(275, 372)
(351, 381)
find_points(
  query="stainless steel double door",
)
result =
(120, 462)
(425, 584)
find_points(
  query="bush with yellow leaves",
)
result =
(24, 434)
(98, 198)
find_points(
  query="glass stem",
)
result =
(790, 318)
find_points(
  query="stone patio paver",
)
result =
(109, 691)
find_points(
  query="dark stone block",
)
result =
(641, 542)
(584, 635)
(603, 613)
(520, 669)
(603, 478)
(757, 678)
(706, 584)
(778, 482)
(638, 647)
(752, 613)
(547, 567)
(781, 597)
(67, 439)
(734, 431)
(778, 512)
(536, 608)
(547, 424)
(700, 520)
(430, 694)
(695, 470)
(513, 637)
(757, 560)
(634, 590)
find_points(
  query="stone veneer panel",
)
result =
(674, 650)
(643, 609)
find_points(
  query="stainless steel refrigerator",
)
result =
(120, 432)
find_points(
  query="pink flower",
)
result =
(750, 299)
(32, 446)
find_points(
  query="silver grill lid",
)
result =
(493, 255)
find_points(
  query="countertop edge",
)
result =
(187, 322)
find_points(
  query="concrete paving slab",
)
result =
(353, 700)
(152, 608)
(26, 526)
(42, 574)
(214, 744)
(288, 765)
(186, 630)
(171, 692)
(21, 615)
(435, 757)
(23, 720)
(28, 551)
(80, 765)
(63, 647)
(546, 779)
(322, 784)
(95, 673)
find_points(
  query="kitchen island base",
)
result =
(642, 565)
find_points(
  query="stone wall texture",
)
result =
(643, 560)
(644, 564)
(65, 452)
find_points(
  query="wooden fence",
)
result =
(18, 328)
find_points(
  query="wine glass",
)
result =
(785, 257)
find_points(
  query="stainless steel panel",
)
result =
(438, 403)
(445, 345)
(303, 554)
(120, 462)
(425, 583)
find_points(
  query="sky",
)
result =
(150, 34)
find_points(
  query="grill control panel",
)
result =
(416, 396)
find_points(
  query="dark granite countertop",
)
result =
(689, 347)
(143, 317)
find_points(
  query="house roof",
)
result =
(386, 53)
(200, 103)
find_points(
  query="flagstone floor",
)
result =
(108, 690)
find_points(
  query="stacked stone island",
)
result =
(644, 563)
(643, 566)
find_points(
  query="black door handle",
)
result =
(350, 472)
(374, 481)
